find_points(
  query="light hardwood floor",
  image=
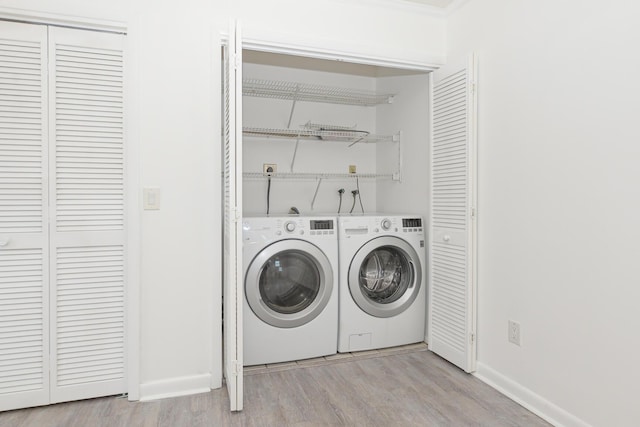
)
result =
(410, 387)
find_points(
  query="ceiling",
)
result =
(436, 3)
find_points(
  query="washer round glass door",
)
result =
(289, 283)
(385, 276)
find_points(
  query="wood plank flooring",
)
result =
(403, 388)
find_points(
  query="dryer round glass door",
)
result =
(385, 276)
(289, 283)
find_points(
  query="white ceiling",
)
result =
(436, 3)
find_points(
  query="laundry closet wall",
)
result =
(311, 156)
(173, 73)
(558, 202)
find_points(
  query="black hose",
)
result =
(268, 192)
(355, 193)
(340, 192)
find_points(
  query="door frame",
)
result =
(267, 45)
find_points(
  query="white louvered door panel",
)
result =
(233, 272)
(87, 168)
(452, 242)
(24, 310)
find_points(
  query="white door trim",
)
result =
(273, 46)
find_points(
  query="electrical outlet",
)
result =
(352, 168)
(514, 332)
(269, 168)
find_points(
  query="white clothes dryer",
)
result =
(290, 288)
(382, 281)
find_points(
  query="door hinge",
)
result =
(473, 338)
(236, 62)
(236, 368)
(473, 213)
(235, 214)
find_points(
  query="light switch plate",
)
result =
(151, 199)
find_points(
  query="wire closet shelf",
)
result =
(313, 93)
(294, 91)
(350, 136)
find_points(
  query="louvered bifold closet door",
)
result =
(452, 243)
(232, 245)
(24, 342)
(87, 228)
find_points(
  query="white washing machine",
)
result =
(290, 288)
(382, 281)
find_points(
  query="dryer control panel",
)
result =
(395, 224)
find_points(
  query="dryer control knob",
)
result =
(386, 224)
(290, 226)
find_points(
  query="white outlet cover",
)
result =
(514, 333)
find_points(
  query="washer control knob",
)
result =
(290, 226)
(386, 224)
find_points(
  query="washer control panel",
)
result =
(288, 227)
(412, 225)
(322, 227)
(261, 230)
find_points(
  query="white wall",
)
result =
(409, 113)
(174, 72)
(180, 243)
(558, 202)
(367, 28)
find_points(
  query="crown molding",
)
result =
(415, 7)
(455, 5)
(404, 5)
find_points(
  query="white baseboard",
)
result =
(174, 387)
(528, 399)
(216, 380)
